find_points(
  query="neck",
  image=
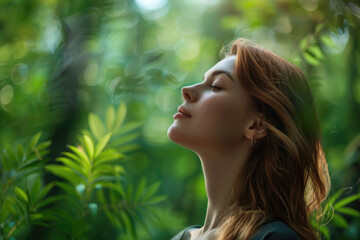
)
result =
(220, 172)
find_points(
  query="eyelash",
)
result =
(214, 87)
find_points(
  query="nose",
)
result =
(189, 94)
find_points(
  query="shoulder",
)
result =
(275, 230)
(183, 232)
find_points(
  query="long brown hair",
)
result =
(286, 175)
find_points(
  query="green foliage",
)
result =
(135, 206)
(23, 197)
(91, 183)
(341, 209)
(335, 211)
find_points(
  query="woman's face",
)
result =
(215, 112)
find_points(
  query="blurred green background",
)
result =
(105, 78)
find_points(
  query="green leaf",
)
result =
(316, 52)
(35, 189)
(45, 191)
(111, 215)
(21, 194)
(325, 231)
(20, 153)
(96, 126)
(101, 145)
(39, 222)
(348, 211)
(42, 146)
(28, 163)
(144, 217)
(34, 140)
(89, 146)
(346, 201)
(120, 116)
(151, 191)
(117, 187)
(128, 148)
(119, 169)
(107, 156)
(66, 173)
(105, 170)
(28, 171)
(140, 190)
(80, 153)
(334, 197)
(126, 139)
(129, 222)
(19, 205)
(77, 159)
(339, 221)
(39, 151)
(156, 200)
(73, 165)
(326, 40)
(110, 118)
(310, 59)
(128, 127)
(48, 201)
(101, 180)
(43, 216)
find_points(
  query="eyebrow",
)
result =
(217, 72)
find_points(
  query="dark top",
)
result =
(272, 229)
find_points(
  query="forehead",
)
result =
(227, 64)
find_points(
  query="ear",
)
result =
(256, 130)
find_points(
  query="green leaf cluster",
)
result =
(91, 184)
(23, 197)
(335, 211)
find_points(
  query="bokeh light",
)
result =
(6, 94)
(150, 5)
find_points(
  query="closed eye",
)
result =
(215, 87)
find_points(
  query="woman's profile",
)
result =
(253, 123)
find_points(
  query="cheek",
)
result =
(221, 116)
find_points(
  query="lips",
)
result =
(182, 113)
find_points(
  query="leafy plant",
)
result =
(341, 208)
(91, 184)
(23, 198)
(335, 209)
(94, 179)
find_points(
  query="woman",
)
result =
(254, 125)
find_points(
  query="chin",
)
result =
(173, 134)
(185, 139)
(177, 136)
